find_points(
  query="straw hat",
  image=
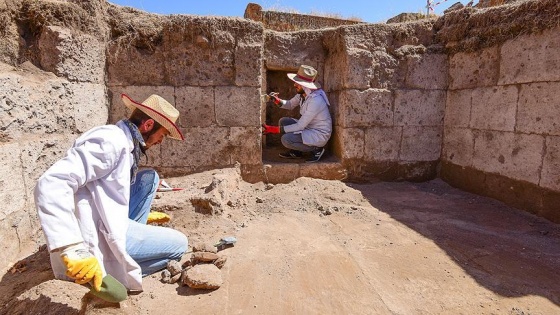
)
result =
(306, 77)
(159, 110)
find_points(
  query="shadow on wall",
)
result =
(508, 251)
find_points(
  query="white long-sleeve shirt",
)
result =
(84, 197)
(315, 123)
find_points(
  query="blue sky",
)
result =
(367, 10)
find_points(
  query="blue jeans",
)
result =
(292, 140)
(152, 247)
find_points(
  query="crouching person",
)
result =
(93, 204)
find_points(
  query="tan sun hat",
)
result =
(305, 76)
(159, 110)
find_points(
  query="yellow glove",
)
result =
(82, 266)
(158, 217)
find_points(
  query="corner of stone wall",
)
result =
(53, 88)
(500, 128)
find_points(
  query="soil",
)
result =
(330, 247)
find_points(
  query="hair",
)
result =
(138, 117)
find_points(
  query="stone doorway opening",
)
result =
(277, 81)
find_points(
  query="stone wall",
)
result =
(388, 89)
(210, 69)
(53, 89)
(502, 135)
(288, 22)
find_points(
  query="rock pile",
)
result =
(201, 271)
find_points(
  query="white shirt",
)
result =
(84, 197)
(315, 123)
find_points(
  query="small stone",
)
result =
(203, 257)
(174, 267)
(165, 276)
(260, 200)
(269, 186)
(220, 262)
(175, 278)
(205, 276)
(204, 247)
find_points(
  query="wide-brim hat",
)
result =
(159, 110)
(306, 77)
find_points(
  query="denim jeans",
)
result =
(152, 247)
(292, 140)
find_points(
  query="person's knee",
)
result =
(284, 140)
(181, 244)
(149, 177)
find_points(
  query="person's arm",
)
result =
(287, 104)
(55, 189)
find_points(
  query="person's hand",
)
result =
(82, 266)
(267, 129)
(158, 217)
(275, 98)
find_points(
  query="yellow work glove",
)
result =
(82, 266)
(158, 217)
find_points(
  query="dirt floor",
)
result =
(328, 247)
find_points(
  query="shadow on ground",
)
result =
(506, 250)
(24, 275)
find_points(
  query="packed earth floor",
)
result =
(330, 247)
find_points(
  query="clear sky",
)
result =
(367, 10)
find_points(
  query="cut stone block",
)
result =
(196, 105)
(494, 108)
(550, 174)
(419, 107)
(74, 56)
(421, 143)
(382, 143)
(349, 142)
(539, 108)
(245, 144)
(477, 69)
(531, 58)
(371, 107)
(458, 108)
(35, 103)
(517, 156)
(248, 65)
(238, 106)
(458, 146)
(90, 104)
(13, 193)
(203, 148)
(427, 71)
